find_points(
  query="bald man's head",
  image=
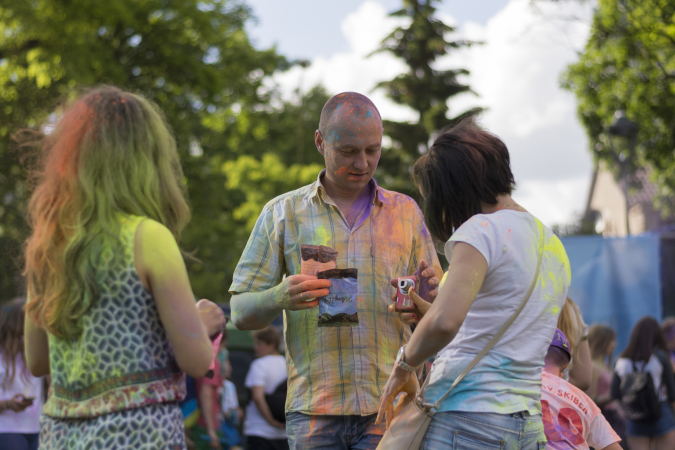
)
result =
(358, 105)
(350, 139)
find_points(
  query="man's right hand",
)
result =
(299, 292)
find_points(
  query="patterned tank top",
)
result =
(123, 358)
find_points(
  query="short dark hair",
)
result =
(269, 335)
(645, 339)
(333, 104)
(464, 166)
(557, 357)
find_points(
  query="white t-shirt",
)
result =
(508, 378)
(28, 420)
(571, 420)
(624, 366)
(268, 371)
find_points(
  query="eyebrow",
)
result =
(352, 146)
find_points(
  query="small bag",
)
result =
(276, 401)
(638, 396)
(410, 424)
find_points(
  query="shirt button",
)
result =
(353, 259)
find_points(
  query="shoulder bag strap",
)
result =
(433, 407)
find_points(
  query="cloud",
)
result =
(515, 74)
(364, 30)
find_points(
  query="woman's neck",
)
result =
(504, 201)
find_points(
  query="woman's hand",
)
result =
(18, 403)
(212, 316)
(215, 440)
(421, 308)
(399, 381)
(428, 286)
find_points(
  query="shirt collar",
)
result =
(381, 195)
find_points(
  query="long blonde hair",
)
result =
(571, 322)
(112, 153)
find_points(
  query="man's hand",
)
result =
(428, 284)
(299, 292)
(212, 316)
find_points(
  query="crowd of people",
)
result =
(110, 350)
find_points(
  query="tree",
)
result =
(263, 163)
(422, 88)
(194, 59)
(629, 64)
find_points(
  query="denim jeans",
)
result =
(307, 432)
(19, 441)
(485, 431)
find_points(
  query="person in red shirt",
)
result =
(571, 420)
(206, 434)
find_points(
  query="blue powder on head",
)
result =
(368, 114)
(338, 106)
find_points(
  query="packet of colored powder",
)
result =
(317, 258)
(338, 308)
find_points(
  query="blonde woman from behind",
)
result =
(110, 313)
(570, 321)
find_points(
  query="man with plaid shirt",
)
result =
(336, 374)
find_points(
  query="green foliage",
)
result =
(422, 88)
(272, 152)
(194, 59)
(629, 64)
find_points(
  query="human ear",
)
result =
(318, 141)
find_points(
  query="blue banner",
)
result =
(615, 281)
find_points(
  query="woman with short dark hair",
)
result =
(646, 352)
(494, 247)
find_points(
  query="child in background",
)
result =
(110, 311)
(232, 413)
(571, 420)
(21, 396)
(206, 433)
(262, 430)
(602, 342)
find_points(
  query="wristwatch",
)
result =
(401, 363)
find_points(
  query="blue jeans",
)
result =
(484, 431)
(19, 441)
(307, 432)
(657, 428)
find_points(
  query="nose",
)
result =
(361, 163)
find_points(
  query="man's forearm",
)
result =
(255, 310)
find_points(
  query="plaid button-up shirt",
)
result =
(338, 370)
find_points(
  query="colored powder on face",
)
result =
(341, 171)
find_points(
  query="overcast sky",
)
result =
(515, 74)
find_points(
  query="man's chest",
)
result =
(380, 246)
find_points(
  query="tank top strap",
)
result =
(129, 225)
